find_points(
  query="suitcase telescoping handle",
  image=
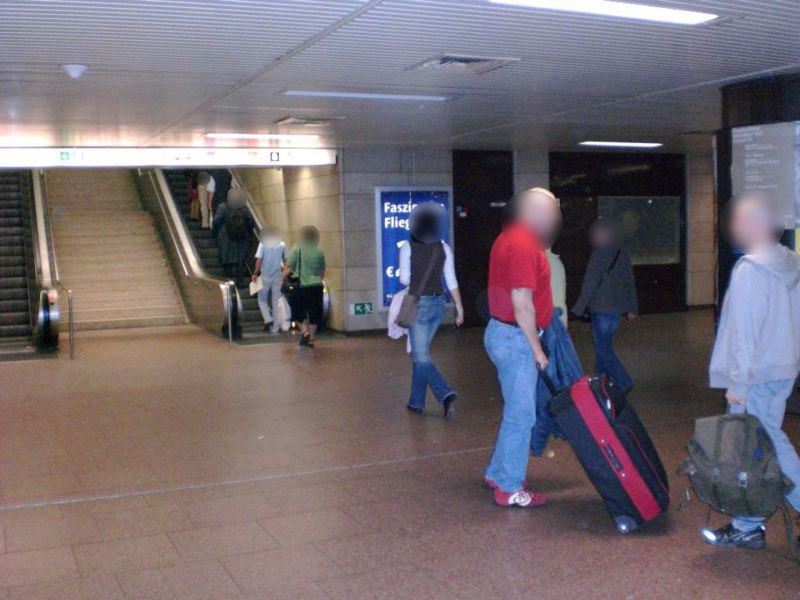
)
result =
(547, 381)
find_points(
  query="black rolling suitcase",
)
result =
(615, 450)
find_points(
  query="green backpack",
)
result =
(733, 467)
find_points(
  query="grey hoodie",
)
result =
(759, 330)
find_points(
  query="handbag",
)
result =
(410, 306)
(292, 282)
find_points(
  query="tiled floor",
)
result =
(162, 465)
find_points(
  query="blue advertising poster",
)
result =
(392, 211)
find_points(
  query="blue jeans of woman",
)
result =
(429, 317)
(511, 353)
(604, 326)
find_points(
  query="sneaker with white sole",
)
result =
(522, 498)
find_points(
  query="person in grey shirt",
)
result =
(270, 259)
(608, 293)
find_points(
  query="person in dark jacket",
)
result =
(233, 226)
(608, 293)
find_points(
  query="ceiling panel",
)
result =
(167, 71)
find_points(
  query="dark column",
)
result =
(483, 181)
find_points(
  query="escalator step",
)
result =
(14, 293)
(12, 261)
(15, 318)
(9, 306)
(9, 331)
(13, 271)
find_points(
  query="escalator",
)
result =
(15, 325)
(28, 300)
(250, 319)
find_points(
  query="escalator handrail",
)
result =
(184, 245)
(43, 234)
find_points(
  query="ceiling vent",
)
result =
(460, 63)
(308, 121)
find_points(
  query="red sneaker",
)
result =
(523, 498)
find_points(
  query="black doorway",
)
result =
(483, 181)
(645, 189)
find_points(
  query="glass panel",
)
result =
(650, 226)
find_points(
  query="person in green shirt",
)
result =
(307, 262)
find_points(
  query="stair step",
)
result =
(128, 323)
(11, 231)
(127, 312)
(10, 213)
(15, 221)
(149, 296)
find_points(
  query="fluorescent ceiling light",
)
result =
(598, 144)
(625, 10)
(262, 136)
(366, 96)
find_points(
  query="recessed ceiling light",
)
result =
(298, 120)
(74, 70)
(366, 96)
(625, 10)
(599, 144)
(262, 136)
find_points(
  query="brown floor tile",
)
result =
(389, 584)
(196, 581)
(293, 530)
(25, 515)
(2, 539)
(94, 507)
(265, 570)
(36, 566)
(101, 588)
(223, 540)
(288, 591)
(364, 553)
(233, 509)
(125, 555)
(34, 535)
(142, 522)
(306, 498)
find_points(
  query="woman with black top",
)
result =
(426, 251)
(608, 294)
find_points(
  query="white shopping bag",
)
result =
(284, 314)
(256, 286)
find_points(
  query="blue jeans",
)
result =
(511, 353)
(429, 317)
(604, 326)
(767, 402)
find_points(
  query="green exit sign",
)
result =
(362, 308)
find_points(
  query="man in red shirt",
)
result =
(520, 303)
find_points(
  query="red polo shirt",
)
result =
(518, 261)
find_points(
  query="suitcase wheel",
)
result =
(625, 524)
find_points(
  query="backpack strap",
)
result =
(791, 533)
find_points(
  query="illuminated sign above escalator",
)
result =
(32, 158)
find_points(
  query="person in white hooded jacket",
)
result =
(756, 355)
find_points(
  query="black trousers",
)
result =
(309, 304)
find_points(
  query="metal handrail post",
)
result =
(71, 327)
(230, 316)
